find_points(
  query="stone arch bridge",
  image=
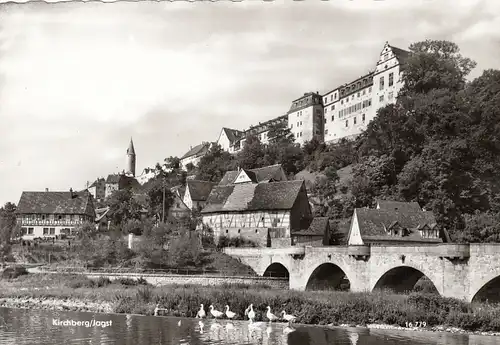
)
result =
(464, 271)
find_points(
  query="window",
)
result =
(391, 95)
(346, 123)
(301, 123)
(52, 231)
(332, 107)
(335, 95)
(297, 124)
(355, 120)
(386, 56)
(326, 131)
(291, 126)
(326, 110)
(359, 93)
(352, 97)
(381, 98)
(23, 231)
(326, 100)
(369, 102)
(239, 231)
(300, 133)
(333, 117)
(370, 89)
(342, 101)
(381, 83)
(325, 120)
(30, 231)
(331, 97)
(391, 79)
(45, 231)
(364, 92)
(227, 231)
(363, 117)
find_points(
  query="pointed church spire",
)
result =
(131, 150)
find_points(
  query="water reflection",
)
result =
(37, 327)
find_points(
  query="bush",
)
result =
(13, 272)
(237, 242)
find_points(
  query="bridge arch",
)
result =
(402, 278)
(328, 276)
(489, 291)
(277, 270)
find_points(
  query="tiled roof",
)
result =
(401, 54)
(251, 175)
(123, 181)
(197, 150)
(199, 190)
(263, 174)
(97, 182)
(232, 134)
(374, 222)
(113, 178)
(388, 205)
(56, 203)
(253, 197)
(318, 227)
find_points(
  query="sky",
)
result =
(78, 80)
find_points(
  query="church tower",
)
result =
(130, 168)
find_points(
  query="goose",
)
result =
(270, 315)
(229, 314)
(215, 313)
(288, 317)
(179, 323)
(201, 313)
(202, 325)
(250, 313)
(156, 310)
(229, 326)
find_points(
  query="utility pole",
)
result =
(163, 216)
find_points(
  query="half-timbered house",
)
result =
(271, 173)
(196, 193)
(51, 214)
(265, 213)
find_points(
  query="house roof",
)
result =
(373, 223)
(389, 205)
(318, 227)
(199, 190)
(197, 150)
(253, 197)
(264, 174)
(56, 203)
(97, 182)
(401, 54)
(100, 213)
(232, 134)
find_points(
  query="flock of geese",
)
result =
(249, 312)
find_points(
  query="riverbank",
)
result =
(324, 308)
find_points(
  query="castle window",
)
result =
(354, 119)
(256, 231)
(381, 98)
(239, 231)
(326, 99)
(364, 92)
(391, 79)
(326, 110)
(363, 117)
(326, 131)
(370, 89)
(391, 95)
(333, 117)
(45, 231)
(346, 123)
(30, 231)
(359, 93)
(381, 83)
(227, 231)
(332, 107)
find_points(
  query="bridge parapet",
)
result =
(484, 248)
(359, 252)
(265, 251)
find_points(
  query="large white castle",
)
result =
(343, 112)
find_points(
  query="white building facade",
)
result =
(349, 108)
(305, 118)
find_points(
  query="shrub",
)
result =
(13, 272)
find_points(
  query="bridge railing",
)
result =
(294, 250)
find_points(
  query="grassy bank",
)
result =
(317, 308)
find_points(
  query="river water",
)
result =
(22, 327)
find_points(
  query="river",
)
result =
(23, 327)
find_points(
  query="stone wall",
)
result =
(206, 280)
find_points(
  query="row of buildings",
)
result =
(260, 205)
(342, 112)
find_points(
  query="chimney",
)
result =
(46, 189)
(71, 192)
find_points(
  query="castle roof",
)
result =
(56, 203)
(199, 190)
(253, 197)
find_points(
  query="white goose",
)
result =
(250, 313)
(270, 315)
(156, 310)
(288, 317)
(215, 313)
(201, 313)
(229, 314)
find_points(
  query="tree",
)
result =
(215, 164)
(185, 250)
(123, 207)
(280, 133)
(160, 197)
(252, 154)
